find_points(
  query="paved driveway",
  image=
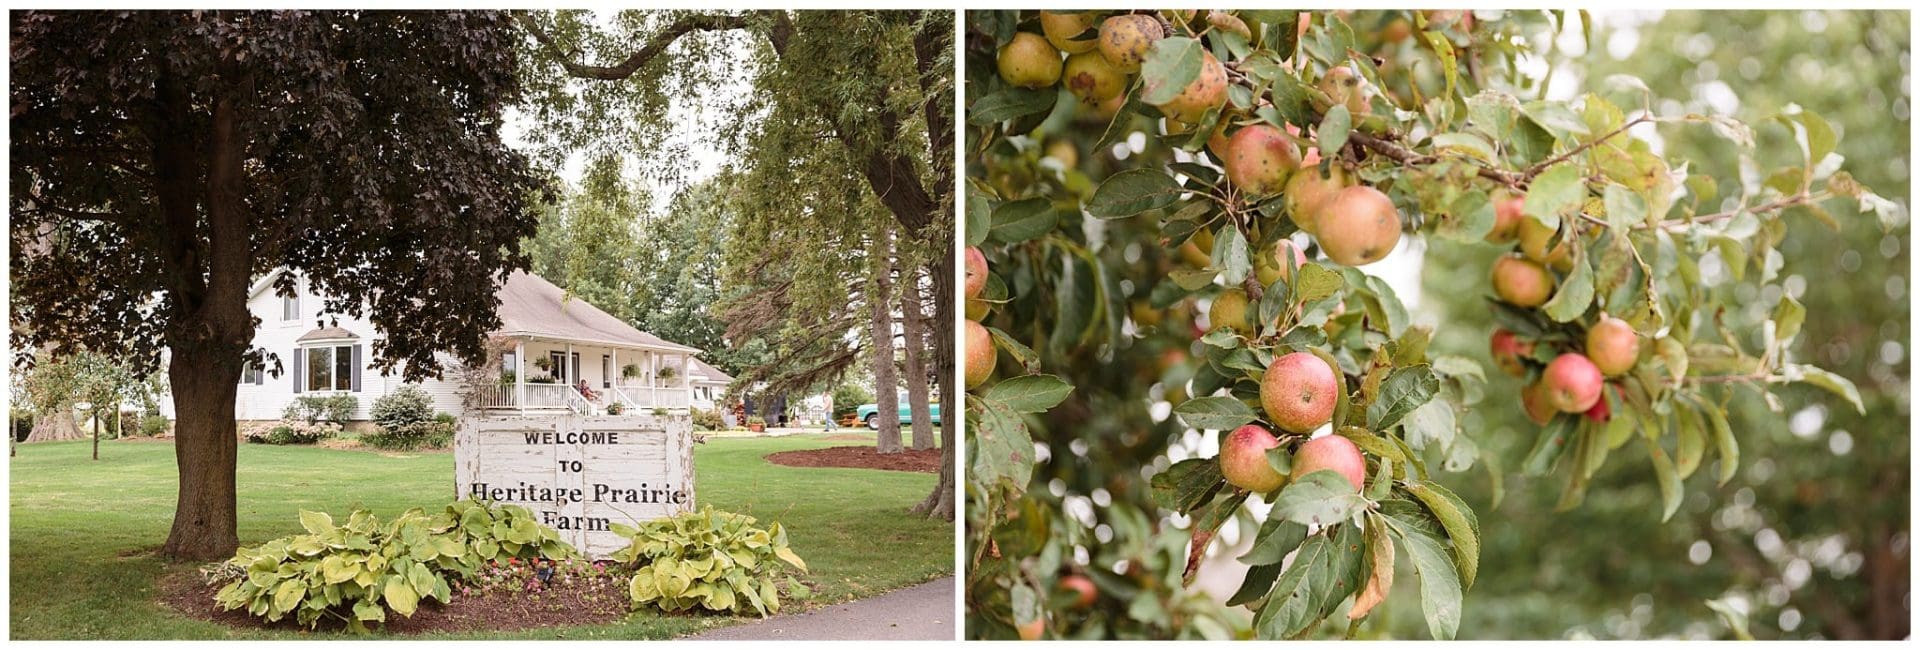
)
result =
(920, 612)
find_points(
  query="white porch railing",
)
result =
(650, 397)
(562, 397)
(539, 396)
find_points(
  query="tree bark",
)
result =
(211, 330)
(914, 325)
(940, 503)
(57, 424)
(206, 448)
(886, 386)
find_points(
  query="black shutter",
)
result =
(299, 364)
(356, 368)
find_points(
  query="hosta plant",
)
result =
(709, 560)
(497, 533)
(356, 572)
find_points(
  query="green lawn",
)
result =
(82, 531)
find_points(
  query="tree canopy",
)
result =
(165, 160)
(842, 136)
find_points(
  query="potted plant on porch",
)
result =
(630, 371)
(756, 424)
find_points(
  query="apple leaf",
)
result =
(1132, 192)
(1006, 448)
(1322, 497)
(1402, 392)
(1030, 393)
(1217, 412)
(1171, 64)
(1440, 592)
(1187, 484)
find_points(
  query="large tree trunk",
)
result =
(210, 332)
(886, 386)
(940, 504)
(205, 448)
(937, 111)
(55, 424)
(914, 324)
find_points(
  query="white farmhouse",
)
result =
(708, 383)
(557, 341)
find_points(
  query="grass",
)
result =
(83, 531)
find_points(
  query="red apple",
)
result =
(1085, 592)
(1331, 452)
(1243, 459)
(1298, 392)
(1572, 383)
(1508, 350)
(1521, 282)
(976, 272)
(1612, 345)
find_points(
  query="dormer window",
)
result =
(290, 307)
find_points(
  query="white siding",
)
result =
(269, 399)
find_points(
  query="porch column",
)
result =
(686, 378)
(613, 379)
(653, 378)
(520, 373)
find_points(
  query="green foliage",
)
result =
(711, 560)
(708, 420)
(848, 396)
(406, 405)
(357, 572)
(1854, 286)
(313, 409)
(431, 434)
(290, 432)
(122, 502)
(51, 383)
(1141, 233)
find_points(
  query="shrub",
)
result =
(290, 432)
(848, 397)
(708, 420)
(431, 434)
(616, 408)
(321, 408)
(358, 572)
(154, 425)
(718, 561)
(408, 405)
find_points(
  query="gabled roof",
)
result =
(327, 334)
(532, 306)
(702, 371)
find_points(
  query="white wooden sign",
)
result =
(580, 474)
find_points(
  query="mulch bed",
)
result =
(925, 460)
(187, 594)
